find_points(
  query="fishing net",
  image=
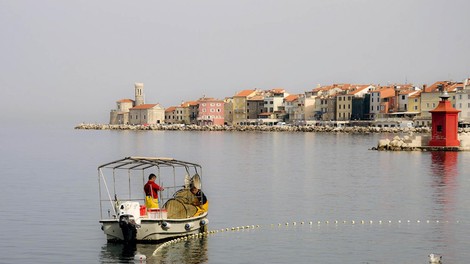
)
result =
(178, 209)
(185, 195)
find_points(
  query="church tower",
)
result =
(139, 94)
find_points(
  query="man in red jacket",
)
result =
(151, 192)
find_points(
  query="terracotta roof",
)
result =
(446, 85)
(292, 97)
(417, 94)
(342, 86)
(125, 101)
(256, 98)
(278, 90)
(454, 87)
(143, 106)
(385, 92)
(407, 92)
(190, 103)
(170, 109)
(208, 99)
(245, 93)
(359, 89)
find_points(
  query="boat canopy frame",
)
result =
(142, 165)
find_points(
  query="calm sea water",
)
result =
(364, 206)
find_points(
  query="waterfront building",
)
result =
(361, 102)
(145, 114)
(343, 107)
(462, 102)
(228, 111)
(290, 103)
(254, 106)
(305, 110)
(382, 101)
(414, 102)
(274, 99)
(136, 112)
(177, 115)
(192, 112)
(345, 102)
(211, 111)
(239, 104)
(403, 98)
(120, 115)
(328, 108)
(430, 99)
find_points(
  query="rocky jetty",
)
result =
(413, 142)
(260, 128)
(406, 143)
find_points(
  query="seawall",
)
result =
(261, 128)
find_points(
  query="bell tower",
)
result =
(139, 94)
(444, 124)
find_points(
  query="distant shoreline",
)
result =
(260, 128)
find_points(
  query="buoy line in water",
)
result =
(309, 223)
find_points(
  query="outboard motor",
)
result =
(129, 228)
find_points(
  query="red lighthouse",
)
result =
(444, 124)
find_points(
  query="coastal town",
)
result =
(335, 105)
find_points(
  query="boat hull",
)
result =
(154, 230)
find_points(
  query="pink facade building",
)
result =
(211, 112)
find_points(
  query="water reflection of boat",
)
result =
(189, 251)
(124, 217)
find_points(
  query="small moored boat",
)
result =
(124, 216)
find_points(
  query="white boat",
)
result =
(124, 217)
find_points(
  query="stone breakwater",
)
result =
(261, 128)
(420, 143)
(409, 143)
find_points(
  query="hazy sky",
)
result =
(75, 59)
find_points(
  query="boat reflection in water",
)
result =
(190, 251)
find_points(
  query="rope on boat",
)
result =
(310, 223)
